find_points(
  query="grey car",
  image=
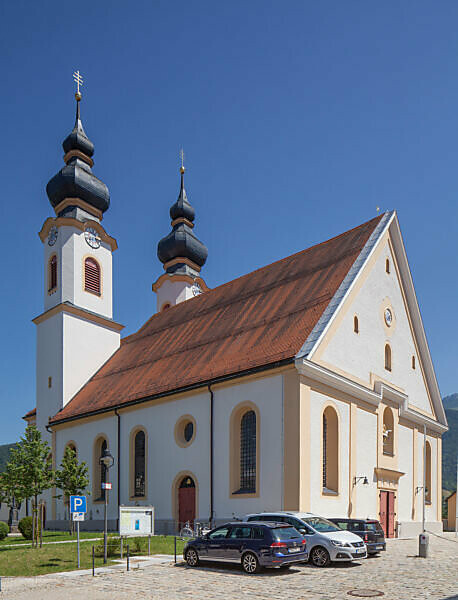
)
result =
(326, 542)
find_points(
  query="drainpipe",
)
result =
(211, 455)
(118, 444)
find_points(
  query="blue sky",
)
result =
(297, 118)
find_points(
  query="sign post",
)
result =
(78, 508)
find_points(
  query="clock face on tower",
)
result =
(92, 237)
(52, 237)
(196, 289)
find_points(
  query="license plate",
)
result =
(295, 549)
(379, 547)
(360, 550)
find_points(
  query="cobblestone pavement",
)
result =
(397, 572)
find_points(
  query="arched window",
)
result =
(387, 357)
(52, 273)
(99, 470)
(388, 432)
(387, 265)
(139, 464)
(248, 452)
(330, 456)
(428, 474)
(165, 306)
(355, 324)
(413, 361)
(92, 276)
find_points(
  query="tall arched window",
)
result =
(355, 324)
(99, 470)
(387, 357)
(139, 464)
(52, 273)
(413, 361)
(387, 265)
(92, 276)
(330, 451)
(388, 432)
(428, 474)
(248, 452)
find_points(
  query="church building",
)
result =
(306, 385)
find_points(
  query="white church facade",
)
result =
(306, 385)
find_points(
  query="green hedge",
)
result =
(4, 530)
(26, 528)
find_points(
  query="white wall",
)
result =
(363, 353)
(364, 497)
(405, 465)
(173, 292)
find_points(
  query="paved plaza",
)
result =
(397, 572)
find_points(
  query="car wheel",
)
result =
(192, 558)
(320, 557)
(250, 563)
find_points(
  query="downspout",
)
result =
(211, 456)
(118, 445)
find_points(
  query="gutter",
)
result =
(211, 455)
(196, 386)
(118, 445)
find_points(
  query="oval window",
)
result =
(188, 431)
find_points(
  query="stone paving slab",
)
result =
(398, 572)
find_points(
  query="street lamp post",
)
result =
(107, 461)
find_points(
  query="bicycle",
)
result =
(198, 530)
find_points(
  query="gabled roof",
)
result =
(257, 321)
(30, 414)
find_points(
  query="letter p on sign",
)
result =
(78, 504)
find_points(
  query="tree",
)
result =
(72, 477)
(10, 482)
(32, 459)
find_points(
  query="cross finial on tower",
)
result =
(79, 81)
(182, 169)
(377, 209)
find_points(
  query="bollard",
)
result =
(122, 552)
(175, 538)
(423, 544)
(128, 558)
(93, 562)
(149, 545)
(0, 584)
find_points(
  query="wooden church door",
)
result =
(387, 513)
(186, 502)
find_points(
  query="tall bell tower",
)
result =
(76, 333)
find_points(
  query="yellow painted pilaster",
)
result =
(352, 460)
(305, 449)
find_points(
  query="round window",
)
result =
(188, 431)
(185, 430)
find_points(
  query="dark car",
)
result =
(253, 545)
(369, 530)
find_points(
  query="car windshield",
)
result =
(374, 526)
(321, 525)
(285, 533)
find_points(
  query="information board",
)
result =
(136, 520)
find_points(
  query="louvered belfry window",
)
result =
(92, 276)
(52, 283)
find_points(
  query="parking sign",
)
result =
(78, 504)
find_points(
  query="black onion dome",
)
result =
(75, 179)
(181, 241)
(77, 139)
(182, 208)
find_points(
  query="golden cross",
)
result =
(78, 80)
(378, 209)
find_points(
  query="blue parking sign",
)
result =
(78, 504)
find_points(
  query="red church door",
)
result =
(186, 502)
(387, 513)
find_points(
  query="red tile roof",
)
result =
(260, 319)
(31, 413)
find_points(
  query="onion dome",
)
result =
(75, 179)
(181, 243)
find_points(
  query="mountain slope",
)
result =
(450, 448)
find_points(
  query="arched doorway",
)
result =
(186, 501)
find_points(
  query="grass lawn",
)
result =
(51, 536)
(62, 557)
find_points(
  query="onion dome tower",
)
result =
(75, 188)
(182, 254)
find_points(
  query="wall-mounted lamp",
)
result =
(363, 478)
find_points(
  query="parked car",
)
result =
(253, 545)
(326, 543)
(369, 530)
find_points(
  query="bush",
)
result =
(4, 530)
(26, 528)
(113, 547)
